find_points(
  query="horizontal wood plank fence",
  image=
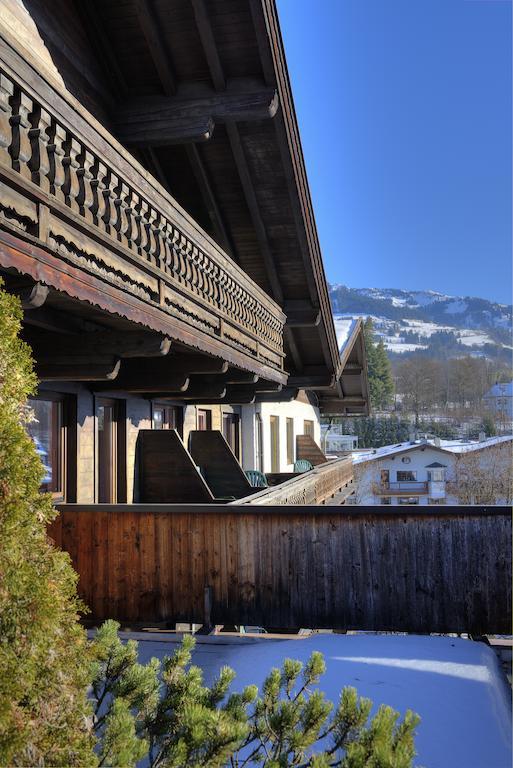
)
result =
(415, 569)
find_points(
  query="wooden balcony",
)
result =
(313, 487)
(80, 215)
(403, 488)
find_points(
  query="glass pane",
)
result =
(158, 418)
(45, 432)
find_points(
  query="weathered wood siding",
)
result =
(315, 486)
(416, 570)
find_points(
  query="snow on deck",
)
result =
(455, 685)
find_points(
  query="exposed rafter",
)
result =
(160, 120)
(151, 30)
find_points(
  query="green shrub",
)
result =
(171, 717)
(43, 682)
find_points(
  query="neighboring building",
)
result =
(270, 431)
(271, 428)
(435, 472)
(155, 220)
(335, 442)
(499, 400)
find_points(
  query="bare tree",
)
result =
(483, 476)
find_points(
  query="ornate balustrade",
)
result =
(68, 188)
(313, 487)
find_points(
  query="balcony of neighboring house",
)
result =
(406, 488)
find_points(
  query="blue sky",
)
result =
(404, 108)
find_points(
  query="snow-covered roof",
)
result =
(344, 327)
(501, 390)
(446, 446)
(455, 685)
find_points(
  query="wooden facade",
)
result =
(414, 570)
(152, 174)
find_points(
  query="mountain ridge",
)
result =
(429, 322)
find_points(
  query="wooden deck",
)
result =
(413, 569)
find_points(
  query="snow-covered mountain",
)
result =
(410, 321)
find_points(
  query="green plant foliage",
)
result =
(43, 706)
(174, 720)
(379, 370)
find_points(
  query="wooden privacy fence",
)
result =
(312, 487)
(416, 569)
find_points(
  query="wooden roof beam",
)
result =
(101, 368)
(209, 45)
(301, 314)
(151, 30)
(58, 348)
(209, 198)
(161, 120)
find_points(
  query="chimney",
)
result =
(437, 442)
(482, 437)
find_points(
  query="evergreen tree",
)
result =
(381, 383)
(43, 706)
(187, 723)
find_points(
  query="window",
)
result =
(231, 431)
(385, 477)
(386, 501)
(290, 441)
(111, 450)
(408, 500)
(204, 418)
(308, 428)
(436, 501)
(275, 443)
(406, 460)
(436, 475)
(259, 443)
(168, 417)
(406, 476)
(53, 431)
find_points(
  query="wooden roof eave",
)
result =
(287, 131)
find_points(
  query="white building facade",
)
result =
(269, 432)
(424, 472)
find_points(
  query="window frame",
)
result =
(309, 428)
(274, 436)
(168, 408)
(118, 485)
(66, 439)
(412, 479)
(208, 419)
(290, 440)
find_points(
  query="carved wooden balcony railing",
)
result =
(313, 487)
(69, 189)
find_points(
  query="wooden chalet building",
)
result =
(156, 221)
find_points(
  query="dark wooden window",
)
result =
(275, 443)
(406, 476)
(385, 476)
(111, 450)
(386, 500)
(204, 418)
(308, 428)
(168, 417)
(231, 432)
(53, 431)
(290, 441)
